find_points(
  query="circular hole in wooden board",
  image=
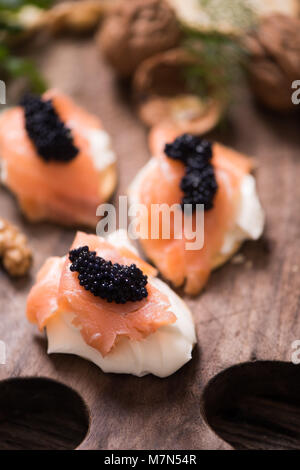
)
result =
(39, 413)
(255, 405)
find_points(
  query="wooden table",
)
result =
(248, 312)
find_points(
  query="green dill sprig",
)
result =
(218, 64)
(16, 67)
(216, 45)
(11, 65)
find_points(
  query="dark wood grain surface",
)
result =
(248, 312)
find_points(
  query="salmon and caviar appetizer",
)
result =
(191, 172)
(104, 303)
(56, 159)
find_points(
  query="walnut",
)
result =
(14, 250)
(135, 30)
(275, 60)
(162, 94)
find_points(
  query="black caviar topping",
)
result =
(113, 282)
(52, 139)
(188, 146)
(199, 183)
(199, 187)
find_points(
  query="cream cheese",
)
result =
(250, 218)
(100, 148)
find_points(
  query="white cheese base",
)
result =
(250, 216)
(162, 353)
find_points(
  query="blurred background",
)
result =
(179, 60)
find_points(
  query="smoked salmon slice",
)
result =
(159, 183)
(68, 193)
(101, 324)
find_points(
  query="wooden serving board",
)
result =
(248, 312)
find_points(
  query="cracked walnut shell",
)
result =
(162, 94)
